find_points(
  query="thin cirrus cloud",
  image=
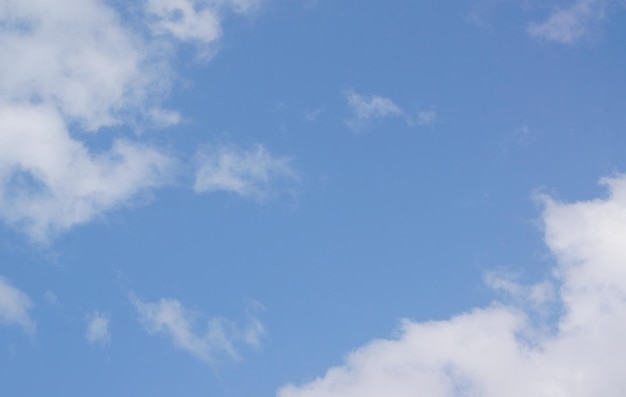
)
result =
(569, 25)
(218, 339)
(516, 349)
(15, 306)
(251, 172)
(98, 329)
(77, 67)
(370, 109)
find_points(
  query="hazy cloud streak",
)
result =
(218, 338)
(98, 329)
(369, 109)
(249, 172)
(568, 25)
(15, 306)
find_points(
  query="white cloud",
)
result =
(217, 339)
(77, 55)
(536, 295)
(50, 182)
(193, 20)
(249, 172)
(183, 20)
(98, 329)
(73, 66)
(504, 350)
(568, 25)
(14, 307)
(77, 66)
(369, 108)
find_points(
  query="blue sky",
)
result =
(311, 198)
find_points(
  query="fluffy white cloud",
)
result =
(217, 339)
(76, 66)
(98, 329)
(507, 350)
(567, 25)
(50, 182)
(73, 66)
(250, 172)
(14, 307)
(77, 55)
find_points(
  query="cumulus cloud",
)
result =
(503, 350)
(76, 67)
(76, 55)
(50, 182)
(15, 306)
(98, 329)
(368, 109)
(568, 25)
(249, 172)
(218, 338)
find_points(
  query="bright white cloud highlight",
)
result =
(15, 306)
(98, 329)
(504, 350)
(249, 172)
(77, 55)
(218, 338)
(568, 25)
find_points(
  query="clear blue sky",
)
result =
(228, 197)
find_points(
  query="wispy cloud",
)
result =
(568, 25)
(218, 338)
(369, 109)
(423, 118)
(507, 350)
(194, 21)
(249, 172)
(519, 138)
(98, 329)
(15, 306)
(51, 298)
(313, 114)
